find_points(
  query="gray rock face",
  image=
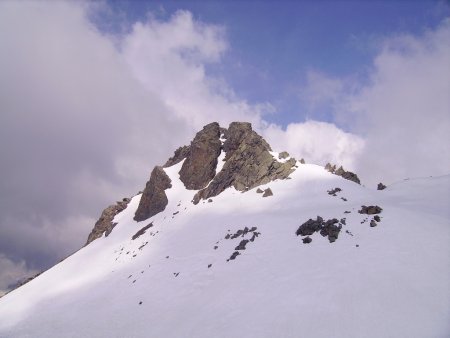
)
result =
(180, 154)
(248, 163)
(201, 161)
(154, 198)
(104, 224)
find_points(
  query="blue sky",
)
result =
(273, 44)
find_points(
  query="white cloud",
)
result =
(402, 111)
(77, 130)
(169, 58)
(317, 142)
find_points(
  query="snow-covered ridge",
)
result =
(181, 277)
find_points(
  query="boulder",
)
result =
(268, 192)
(154, 198)
(307, 240)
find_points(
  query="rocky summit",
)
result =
(246, 162)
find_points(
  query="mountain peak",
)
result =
(217, 159)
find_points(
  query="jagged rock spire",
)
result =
(248, 163)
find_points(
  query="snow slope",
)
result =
(391, 280)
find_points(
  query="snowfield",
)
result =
(177, 279)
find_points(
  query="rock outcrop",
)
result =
(199, 168)
(105, 224)
(248, 163)
(348, 175)
(180, 154)
(154, 198)
(330, 228)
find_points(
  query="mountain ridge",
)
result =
(319, 256)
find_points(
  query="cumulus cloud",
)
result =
(170, 58)
(401, 111)
(317, 142)
(77, 130)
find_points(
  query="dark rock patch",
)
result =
(268, 192)
(302, 161)
(310, 227)
(242, 244)
(259, 191)
(142, 246)
(209, 265)
(334, 191)
(327, 228)
(373, 223)
(381, 186)
(233, 256)
(154, 198)
(377, 218)
(254, 235)
(307, 240)
(370, 210)
(141, 231)
(331, 230)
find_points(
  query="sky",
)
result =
(94, 94)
